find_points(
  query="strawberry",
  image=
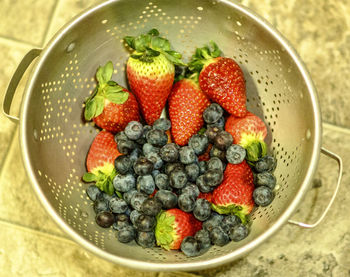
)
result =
(186, 105)
(100, 162)
(235, 194)
(151, 72)
(206, 155)
(250, 132)
(110, 106)
(221, 79)
(173, 226)
(206, 195)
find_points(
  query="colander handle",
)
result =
(340, 173)
(16, 78)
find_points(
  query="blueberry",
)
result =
(192, 171)
(104, 219)
(126, 146)
(155, 173)
(215, 219)
(128, 195)
(199, 143)
(215, 163)
(120, 136)
(106, 196)
(266, 163)
(145, 223)
(203, 238)
(122, 218)
(157, 137)
(216, 152)
(202, 185)
(220, 123)
(187, 155)
(117, 205)
(137, 200)
(123, 164)
(202, 209)
(235, 154)
(146, 129)
(213, 177)
(229, 222)
(167, 198)
(263, 196)
(203, 167)
(155, 159)
(223, 140)
(146, 239)
(190, 246)
(126, 234)
(124, 183)
(219, 237)
(100, 205)
(186, 202)
(211, 132)
(133, 130)
(143, 166)
(162, 124)
(239, 232)
(162, 181)
(151, 206)
(213, 113)
(265, 179)
(145, 184)
(134, 215)
(169, 167)
(134, 155)
(121, 222)
(149, 148)
(93, 192)
(169, 152)
(191, 190)
(178, 178)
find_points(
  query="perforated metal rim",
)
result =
(192, 265)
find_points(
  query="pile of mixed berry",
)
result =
(187, 180)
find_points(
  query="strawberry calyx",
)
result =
(164, 231)
(254, 145)
(105, 92)
(238, 210)
(204, 56)
(150, 45)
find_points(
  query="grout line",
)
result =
(18, 42)
(336, 128)
(53, 16)
(5, 160)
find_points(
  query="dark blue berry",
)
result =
(229, 222)
(203, 167)
(145, 184)
(216, 152)
(143, 166)
(137, 200)
(169, 167)
(162, 181)
(149, 148)
(223, 140)
(202, 184)
(162, 124)
(215, 163)
(192, 171)
(145, 223)
(187, 155)
(117, 205)
(167, 198)
(265, 179)
(157, 137)
(146, 129)
(100, 205)
(263, 196)
(220, 123)
(126, 234)
(202, 209)
(215, 219)
(266, 163)
(121, 222)
(178, 178)
(235, 154)
(126, 146)
(155, 173)
(186, 202)
(169, 152)
(146, 239)
(191, 190)
(213, 113)
(124, 183)
(104, 219)
(134, 155)
(203, 238)
(134, 215)
(106, 196)
(151, 207)
(122, 218)
(211, 132)
(155, 159)
(133, 130)
(219, 237)
(120, 136)
(213, 177)
(239, 232)
(93, 192)
(190, 246)
(199, 143)
(128, 195)
(123, 164)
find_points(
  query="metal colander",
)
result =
(55, 139)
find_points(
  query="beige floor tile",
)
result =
(27, 20)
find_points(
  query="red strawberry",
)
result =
(100, 161)
(206, 195)
(235, 194)
(111, 106)
(173, 226)
(250, 132)
(206, 155)
(151, 72)
(221, 79)
(186, 105)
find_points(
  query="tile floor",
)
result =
(33, 245)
